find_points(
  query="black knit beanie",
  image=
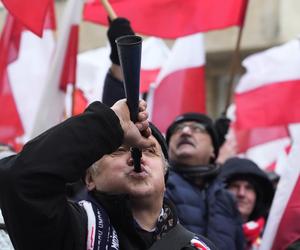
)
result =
(160, 138)
(200, 118)
(162, 142)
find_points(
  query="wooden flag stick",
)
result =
(234, 68)
(110, 11)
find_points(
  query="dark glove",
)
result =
(222, 125)
(118, 27)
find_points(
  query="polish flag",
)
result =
(62, 70)
(267, 153)
(25, 59)
(281, 229)
(262, 145)
(181, 83)
(253, 137)
(30, 13)
(10, 122)
(91, 74)
(171, 19)
(154, 54)
(269, 93)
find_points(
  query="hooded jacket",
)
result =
(238, 168)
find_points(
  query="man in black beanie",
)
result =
(204, 206)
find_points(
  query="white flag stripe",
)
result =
(52, 106)
(187, 60)
(90, 73)
(28, 79)
(263, 68)
(154, 53)
(265, 154)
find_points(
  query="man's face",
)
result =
(190, 144)
(245, 196)
(115, 173)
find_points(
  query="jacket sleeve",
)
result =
(35, 208)
(113, 90)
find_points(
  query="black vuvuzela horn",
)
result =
(129, 50)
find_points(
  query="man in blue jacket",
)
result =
(203, 204)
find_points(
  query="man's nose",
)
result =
(129, 159)
(186, 130)
(241, 191)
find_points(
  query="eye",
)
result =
(121, 150)
(197, 127)
(151, 151)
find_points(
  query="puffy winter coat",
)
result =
(210, 211)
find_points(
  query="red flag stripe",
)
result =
(171, 19)
(181, 91)
(23, 12)
(70, 61)
(147, 77)
(10, 122)
(279, 102)
(80, 102)
(247, 139)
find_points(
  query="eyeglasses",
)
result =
(194, 127)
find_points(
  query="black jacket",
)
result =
(36, 211)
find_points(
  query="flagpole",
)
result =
(234, 68)
(236, 59)
(110, 11)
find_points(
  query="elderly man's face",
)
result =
(191, 144)
(245, 196)
(115, 173)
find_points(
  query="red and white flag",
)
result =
(171, 19)
(282, 229)
(10, 122)
(181, 83)
(250, 138)
(269, 93)
(62, 70)
(262, 145)
(25, 59)
(30, 13)
(91, 74)
(154, 54)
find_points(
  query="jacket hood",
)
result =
(244, 169)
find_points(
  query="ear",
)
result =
(89, 181)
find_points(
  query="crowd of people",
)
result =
(184, 197)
